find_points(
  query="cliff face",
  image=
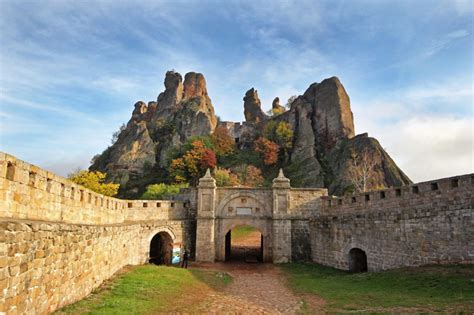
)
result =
(324, 146)
(139, 155)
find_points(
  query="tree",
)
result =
(275, 111)
(225, 177)
(162, 191)
(253, 177)
(279, 132)
(361, 170)
(290, 101)
(94, 181)
(224, 143)
(284, 135)
(268, 150)
(117, 133)
(193, 163)
(249, 175)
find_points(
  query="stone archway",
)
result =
(223, 237)
(246, 245)
(357, 260)
(158, 245)
(161, 246)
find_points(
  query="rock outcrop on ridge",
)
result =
(141, 150)
(323, 146)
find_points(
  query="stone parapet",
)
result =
(31, 193)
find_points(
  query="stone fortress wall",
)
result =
(59, 241)
(424, 223)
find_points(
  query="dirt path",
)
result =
(255, 289)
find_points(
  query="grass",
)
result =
(429, 288)
(150, 289)
(242, 232)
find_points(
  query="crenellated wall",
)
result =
(59, 241)
(424, 223)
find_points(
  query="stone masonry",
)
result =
(424, 223)
(59, 241)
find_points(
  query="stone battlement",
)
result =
(452, 191)
(31, 193)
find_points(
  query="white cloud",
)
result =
(425, 144)
(431, 147)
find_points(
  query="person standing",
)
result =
(184, 262)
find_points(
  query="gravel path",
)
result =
(255, 289)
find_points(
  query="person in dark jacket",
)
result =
(184, 261)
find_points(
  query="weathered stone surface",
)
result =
(252, 107)
(194, 85)
(332, 116)
(139, 154)
(425, 223)
(321, 120)
(70, 237)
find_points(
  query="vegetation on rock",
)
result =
(225, 177)
(193, 163)
(224, 144)
(177, 137)
(268, 150)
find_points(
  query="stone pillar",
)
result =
(281, 229)
(205, 233)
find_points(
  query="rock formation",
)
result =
(252, 108)
(276, 107)
(323, 148)
(139, 155)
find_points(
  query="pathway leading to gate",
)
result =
(255, 289)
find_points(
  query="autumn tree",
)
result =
(268, 150)
(224, 143)
(361, 170)
(284, 135)
(253, 177)
(193, 163)
(225, 177)
(276, 111)
(249, 175)
(94, 181)
(279, 132)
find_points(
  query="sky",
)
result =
(70, 71)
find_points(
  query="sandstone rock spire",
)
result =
(252, 107)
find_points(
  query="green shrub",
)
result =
(162, 191)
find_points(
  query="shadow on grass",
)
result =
(428, 288)
(150, 289)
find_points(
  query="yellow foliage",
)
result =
(95, 182)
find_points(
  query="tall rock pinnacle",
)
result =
(252, 107)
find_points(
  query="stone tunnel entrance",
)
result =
(245, 244)
(161, 247)
(357, 260)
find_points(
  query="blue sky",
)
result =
(70, 71)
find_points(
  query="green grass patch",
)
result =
(430, 288)
(150, 289)
(242, 231)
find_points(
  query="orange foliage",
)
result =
(268, 150)
(223, 142)
(194, 162)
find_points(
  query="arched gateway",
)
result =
(219, 210)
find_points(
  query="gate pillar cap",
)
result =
(281, 181)
(207, 181)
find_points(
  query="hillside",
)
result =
(315, 139)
